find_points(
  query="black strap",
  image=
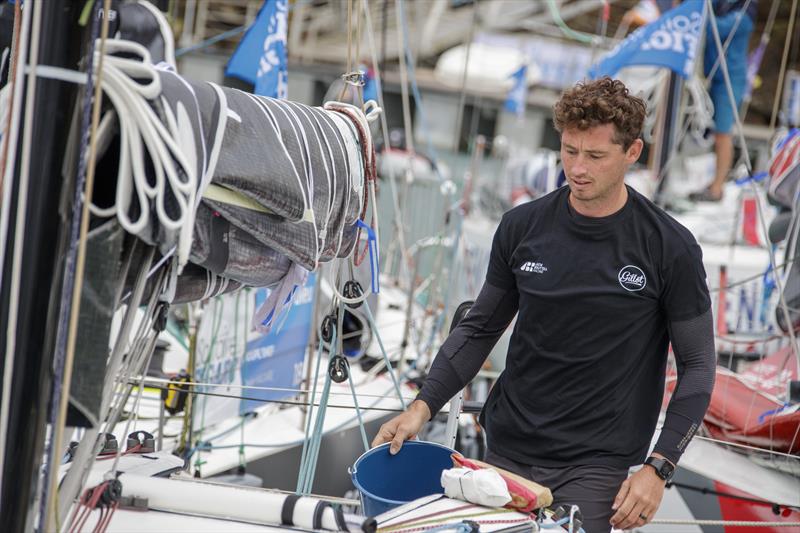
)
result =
(338, 514)
(318, 512)
(219, 242)
(287, 512)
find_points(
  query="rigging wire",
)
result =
(60, 394)
(748, 164)
(779, 87)
(12, 87)
(399, 227)
(20, 58)
(407, 124)
(462, 98)
(766, 35)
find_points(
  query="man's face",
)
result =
(595, 166)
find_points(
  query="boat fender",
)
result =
(353, 290)
(338, 369)
(143, 439)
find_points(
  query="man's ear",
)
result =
(634, 151)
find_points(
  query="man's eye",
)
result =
(595, 156)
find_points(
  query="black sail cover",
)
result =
(242, 186)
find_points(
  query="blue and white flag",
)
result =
(670, 41)
(518, 95)
(260, 58)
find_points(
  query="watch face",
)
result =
(663, 467)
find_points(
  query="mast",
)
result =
(667, 141)
(31, 268)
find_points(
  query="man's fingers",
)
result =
(623, 491)
(632, 518)
(385, 433)
(623, 510)
(399, 436)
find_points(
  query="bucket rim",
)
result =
(415, 442)
(354, 469)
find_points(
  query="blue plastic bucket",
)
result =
(385, 481)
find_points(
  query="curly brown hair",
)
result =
(599, 102)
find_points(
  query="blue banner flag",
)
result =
(260, 58)
(518, 95)
(670, 41)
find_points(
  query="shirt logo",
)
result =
(632, 278)
(532, 266)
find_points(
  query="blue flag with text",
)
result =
(670, 41)
(260, 58)
(518, 95)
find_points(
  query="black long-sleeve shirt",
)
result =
(598, 302)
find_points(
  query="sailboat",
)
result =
(164, 265)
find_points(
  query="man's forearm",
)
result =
(463, 353)
(693, 345)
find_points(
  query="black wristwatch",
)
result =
(663, 468)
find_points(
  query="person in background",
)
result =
(735, 20)
(602, 281)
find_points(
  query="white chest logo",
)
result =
(632, 278)
(533, 266)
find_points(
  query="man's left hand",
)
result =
(638, 499)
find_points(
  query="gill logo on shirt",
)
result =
(631, 278)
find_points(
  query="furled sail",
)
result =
(242, 186)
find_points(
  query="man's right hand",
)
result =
(403, 427)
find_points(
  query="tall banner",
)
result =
(670, 41)
(232, 356)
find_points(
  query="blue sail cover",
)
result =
(670, 41)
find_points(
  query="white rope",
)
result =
(164, 381)
(129, 84)
(747, 447)
(732, 523)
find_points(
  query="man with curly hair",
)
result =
(603, 281)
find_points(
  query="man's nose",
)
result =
(578, 166)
